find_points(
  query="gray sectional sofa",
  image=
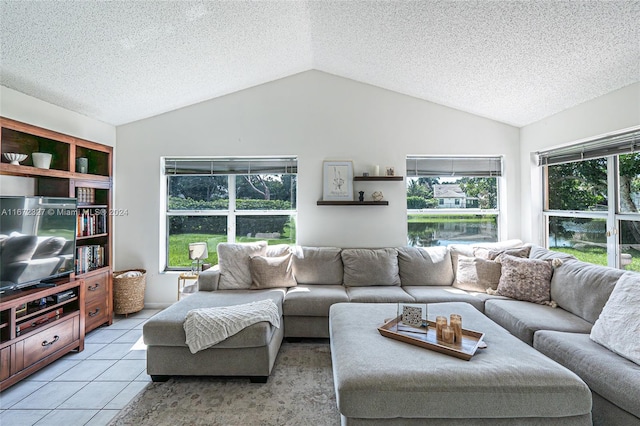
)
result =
(326, 275)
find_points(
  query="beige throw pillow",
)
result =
(525, 279)
(476, 274)
(271, 272)
(492, 253)
(233, 261)
(618, 326)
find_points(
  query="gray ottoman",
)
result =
(251, 352)
(381, 381)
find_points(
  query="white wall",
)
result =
(27, 109)
(609, 113)
(316, 116)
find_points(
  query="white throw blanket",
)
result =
(206, 327)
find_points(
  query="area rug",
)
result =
(299, 392)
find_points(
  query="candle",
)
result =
(447, 334)
(376, 170)
(441, 322)
(456, 324)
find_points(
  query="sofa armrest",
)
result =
(208, 280)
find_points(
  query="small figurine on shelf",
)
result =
(377, 196)
(361, 196)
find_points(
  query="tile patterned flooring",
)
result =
(84, 388)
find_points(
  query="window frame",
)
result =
(494, 161)
(616, 144)
(231, 213)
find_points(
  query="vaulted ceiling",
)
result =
(515, 62)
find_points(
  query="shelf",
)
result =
(352, 203)
(88, 237)
(379, 178)
(30, 171)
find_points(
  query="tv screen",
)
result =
(37, 240)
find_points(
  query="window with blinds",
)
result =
(452, 199)
(228, 199)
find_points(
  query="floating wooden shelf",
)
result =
(352, 203)
(379, 178)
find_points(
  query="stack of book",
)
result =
(89, 258)
(92, 222)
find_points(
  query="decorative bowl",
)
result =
(14, 158)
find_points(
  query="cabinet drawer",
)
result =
(48, 341)
(95, 314)
(96, 288)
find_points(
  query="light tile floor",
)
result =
(84, 388)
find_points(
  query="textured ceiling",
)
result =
(516, 62)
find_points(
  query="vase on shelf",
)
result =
(82, 165)
(41, 160)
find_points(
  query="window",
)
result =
(592, 200)
(227, 200)
(452, 200)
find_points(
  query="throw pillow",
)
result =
(492, 253)
(525, 279)
(234, 263)
(476, 274)
(271, 272)
(618, 326)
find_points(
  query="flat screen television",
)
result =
(37, 240)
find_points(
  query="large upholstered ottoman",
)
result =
(251, 352)
(382, 381)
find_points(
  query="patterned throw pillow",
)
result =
(525, 279)
(476, 274)
(271, 272)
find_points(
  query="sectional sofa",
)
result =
(305, 281)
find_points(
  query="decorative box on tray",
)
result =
(405, 329)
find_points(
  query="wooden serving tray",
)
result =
(471, 340)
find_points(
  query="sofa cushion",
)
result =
(525, 279)
(367, 267)
(166, 327)
(542, 253)
(606, 373)
(378, 294)
(233, 260)
(313, 300)
(618, 327)
(278, 250)
(477, 274)
(523, 319)
(271, 272)
(425, 266)
(583, 288)
(317, 265)
(439, 294)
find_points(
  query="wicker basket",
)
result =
(128, 292)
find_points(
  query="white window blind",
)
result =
(230, 165)
(624, 143)
(423, 166)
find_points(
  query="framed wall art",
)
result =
(337, 181)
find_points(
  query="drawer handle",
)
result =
(94, 313)
(55, 339)
(93, 287)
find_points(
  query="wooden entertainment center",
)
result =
(39, 325)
